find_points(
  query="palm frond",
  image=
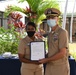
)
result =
(39, 20)
(10, 9)
(37, 6)
(46, 4)
(34, 4)
(20, 0)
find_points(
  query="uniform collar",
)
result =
(57, 28)
(28, 38)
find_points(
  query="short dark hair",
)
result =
(31, 24)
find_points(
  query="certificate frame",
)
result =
(37, 50)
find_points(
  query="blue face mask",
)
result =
(51, 22)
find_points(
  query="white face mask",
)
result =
(51, 22)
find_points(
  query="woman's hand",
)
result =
(45, 60)
(36, 62)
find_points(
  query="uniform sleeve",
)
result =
(21, 47)
(63, 39)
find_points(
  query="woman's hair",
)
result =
(31, 24)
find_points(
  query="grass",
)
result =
(72, 49)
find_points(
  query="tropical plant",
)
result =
(35, 12)
(9, 38)
(15, 20)
(12, 8)
(36, 9)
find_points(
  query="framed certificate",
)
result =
(37, 50)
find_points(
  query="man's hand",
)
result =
(36, 62)
(45, 60)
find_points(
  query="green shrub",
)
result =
(8, 40)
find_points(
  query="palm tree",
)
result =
(36, 9)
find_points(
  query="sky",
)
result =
(4, 4)
(70, 5)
